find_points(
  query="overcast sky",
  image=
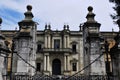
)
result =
(57, 13)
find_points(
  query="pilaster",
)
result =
(46, 64)
(66, 64)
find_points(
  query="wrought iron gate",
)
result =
(46, 77)
(36, 77)
(28, 77)
(90, 77)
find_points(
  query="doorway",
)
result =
(56, 67)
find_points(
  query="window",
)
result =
(38, 66)
(56, 44)
(74, 66)
(39, 47)
(74, 47)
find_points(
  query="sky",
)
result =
(57, 13)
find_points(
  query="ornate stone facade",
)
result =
(57, 52)
(64, 46)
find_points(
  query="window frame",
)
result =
(38, 50)
(57, 44)
(74, 47)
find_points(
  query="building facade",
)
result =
(58, 52)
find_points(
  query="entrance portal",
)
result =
(56, 67)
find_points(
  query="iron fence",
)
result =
(46, 77)
(91, 77)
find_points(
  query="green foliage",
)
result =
(115, 1)
(116, 16)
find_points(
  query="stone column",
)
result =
(64, 42)
(68, 62)
(46, 41)
(49, 41)
(64, 62)
(67, 41)
(44, 62)
(48, 60)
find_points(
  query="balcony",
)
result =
(53, 50)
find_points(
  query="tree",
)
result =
(116, 16)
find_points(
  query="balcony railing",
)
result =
(53, 50)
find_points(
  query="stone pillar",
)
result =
(26, 43)
(64, 42)
(46, 41)
(92, 46)
(68, 41)
(46, 64)
(66, 64)
(49, 41)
